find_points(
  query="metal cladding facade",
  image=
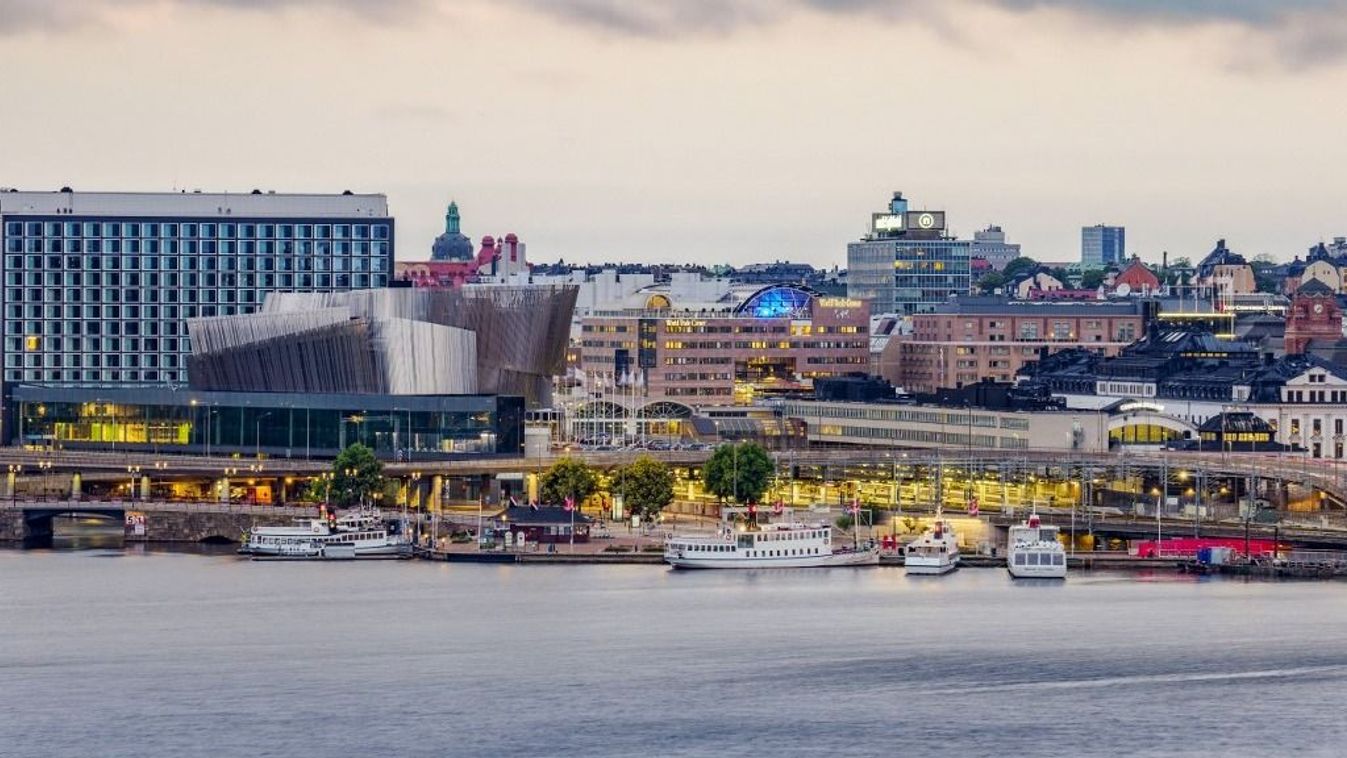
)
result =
(496, 340)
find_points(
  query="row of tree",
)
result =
(737, 472)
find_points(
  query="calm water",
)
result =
(168, 654)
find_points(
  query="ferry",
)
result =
(1035, 552)
(359, 534)
(936, 551)
(783, 545)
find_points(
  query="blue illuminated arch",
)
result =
(778, 301)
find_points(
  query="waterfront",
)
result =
(164, 653)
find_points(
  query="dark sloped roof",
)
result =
(545, 515)
(1316, 288)
(1235, 423)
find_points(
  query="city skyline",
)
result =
(610, 131)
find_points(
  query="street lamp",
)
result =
(45, 466)
(224, 483)
(132, 472)
(14, 470)
(257, 435)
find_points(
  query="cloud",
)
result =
(1292, 33)
(1298, 32)
(18, 16)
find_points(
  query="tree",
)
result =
(1091, 279)
(568, 477)
(356, 476)
(646, 486)
(738, 472)
(991, 280)
(1019, 266)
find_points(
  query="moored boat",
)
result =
(359, 534)
(936, 551)
(1035, 552)
(782, 545)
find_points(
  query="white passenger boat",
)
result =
(1035, 552)
(359, 534)
(784, 545)
(936, 551)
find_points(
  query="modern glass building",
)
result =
(97, 285)
(907, 276)
(271, 424)
(1102, 245)
(907, 264)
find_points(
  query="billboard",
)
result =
(926, 221)
(888, 222)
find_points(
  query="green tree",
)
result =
(1091, 279)
(1019, 266)
(356, 476)
(568, 477)
(738, 472)
(646, 486)
(991, 280)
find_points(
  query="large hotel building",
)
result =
(98, 285)
(777, 337)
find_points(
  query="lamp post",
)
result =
(351, 484)
(160, 466)
(327, 477)
(224, 483)
(257, 435)
(14, 470)
(45, 466)
(132, 472)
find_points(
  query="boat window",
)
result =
(1059, 560)
(1019, 559)
(1033, 559)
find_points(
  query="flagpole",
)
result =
(572, 527)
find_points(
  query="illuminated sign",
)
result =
(838, 302)
(1139, 406)
(926, 220)
(684, 322)
(893, 222)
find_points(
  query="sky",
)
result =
(709, 131)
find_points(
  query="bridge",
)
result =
(32, 521)
(878, 476)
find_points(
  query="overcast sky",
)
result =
(693, 130)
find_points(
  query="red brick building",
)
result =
(972, 338)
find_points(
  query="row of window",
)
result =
(320, 261)
(92, 360)
(194, 230)
(94, 375)
(227, 283)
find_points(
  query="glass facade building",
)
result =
(1102, 245)
(271, 424)
(907, 276)
(97, 285)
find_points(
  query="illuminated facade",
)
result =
(270, 424)
(778, 338)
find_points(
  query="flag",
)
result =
(855, 506)
(779, 508)
(973, 507)
(752, 509)
(570, 504)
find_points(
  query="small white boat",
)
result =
(1035, 552)
(936, 551)
(786, 545)
(359, 534)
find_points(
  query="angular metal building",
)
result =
(497, 340)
